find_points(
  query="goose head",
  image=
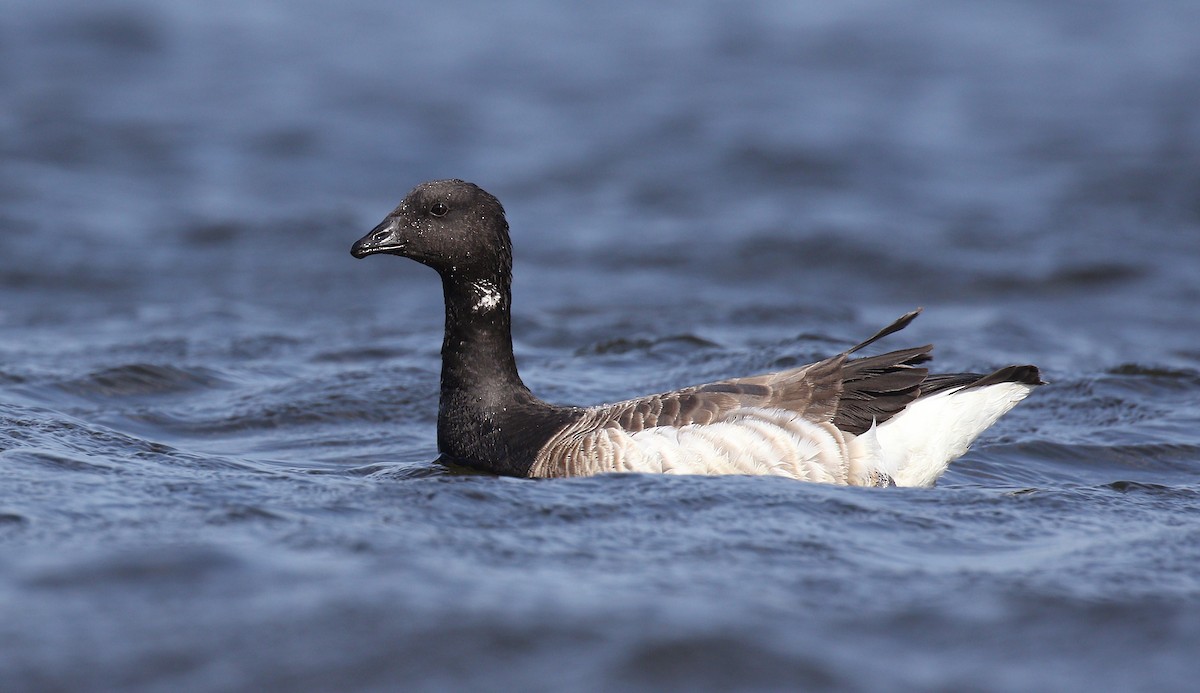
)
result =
(453, 226)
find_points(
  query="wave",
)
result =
(675, 343)
(47, 440)
(1045, 463)
(142, 380)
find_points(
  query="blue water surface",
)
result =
(217, 429)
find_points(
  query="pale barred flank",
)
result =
(748, 441)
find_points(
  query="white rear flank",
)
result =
(933, 431)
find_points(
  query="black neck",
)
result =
(477, 352)
(487, 418)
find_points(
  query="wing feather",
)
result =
(850, 393)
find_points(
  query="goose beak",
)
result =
(384, 238)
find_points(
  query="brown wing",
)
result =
(850, 393)
(812, 391)
(876, 388)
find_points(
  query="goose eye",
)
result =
(439, 209)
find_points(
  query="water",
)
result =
(217, 429)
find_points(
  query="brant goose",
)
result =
(869, 421)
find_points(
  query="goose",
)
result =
(880, 420)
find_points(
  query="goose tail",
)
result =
(918, 443)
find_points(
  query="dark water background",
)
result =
(217, 429)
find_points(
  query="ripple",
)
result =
(769, 254)
(768, 161)
(122, 30)
(9, 378)
(238, 514)
(56, 462)
(1164, 373)
(1093, 275)
(1052, 463)
(168, 564)
(733, 661)
(53, 441)
(1122, 486)
(674, 343)
(355, 354)
(142, 380)
(215, 233)
(338, 398)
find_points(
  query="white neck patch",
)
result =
(487, 296)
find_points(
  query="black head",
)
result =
(453, 226)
